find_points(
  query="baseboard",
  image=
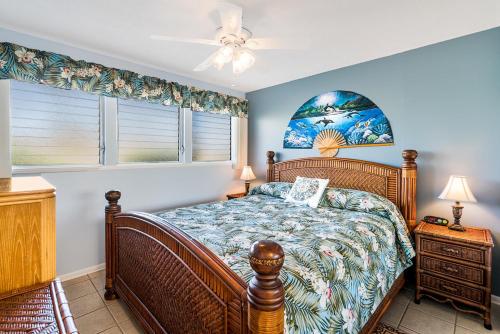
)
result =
(495, 299)
(81, 272)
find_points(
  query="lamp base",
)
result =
(457, 214)
(456, 227)
(247, 187)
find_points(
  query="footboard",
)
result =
(174, 284)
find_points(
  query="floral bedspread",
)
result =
(340, 258)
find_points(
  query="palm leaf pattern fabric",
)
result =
(339, 261)
(60, 71)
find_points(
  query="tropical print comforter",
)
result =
(340, 259)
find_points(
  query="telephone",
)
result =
(435, 220)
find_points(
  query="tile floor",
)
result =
(93, 314)
(430, 317)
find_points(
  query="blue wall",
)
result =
(442, 100)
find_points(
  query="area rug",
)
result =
(386, 329)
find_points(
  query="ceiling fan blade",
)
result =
(231, 17)
(206, 63)
(185, 40)
(271, 44)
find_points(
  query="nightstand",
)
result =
(455, 267)
(233, 196)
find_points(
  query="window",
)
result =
(211, 137)
(53, 126)
(147, 132)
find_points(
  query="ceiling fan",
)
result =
(235, 42)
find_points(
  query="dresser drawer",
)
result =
(471, 274)
(452, 250)
(454, 289)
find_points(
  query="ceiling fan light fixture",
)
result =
(243, 59)
(223, 56)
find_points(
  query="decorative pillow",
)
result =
(307, 191)
(275, 189)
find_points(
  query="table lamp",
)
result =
(247, 175)
(457, 190)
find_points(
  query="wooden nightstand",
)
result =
(455, 267)
(233, 196)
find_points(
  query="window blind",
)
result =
(147, 132)
(211, 137)
(53, 126)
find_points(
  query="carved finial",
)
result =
(270, 157)
(409, 157)
(265, 291)
(113, 196)
(266, 257)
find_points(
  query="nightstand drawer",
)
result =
(452, 250)
(471, 274)
(455, 289)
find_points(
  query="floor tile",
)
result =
(394, 314)
(475, 323)
(113, 330)
(74, 281)
(404, 297)
(86, 304)
(120, 311)
(461, 330)
(98, 282)
(95, 322)
(406, 330)
(79, 290)
(131, 327)
(443, 311)
(424, 323)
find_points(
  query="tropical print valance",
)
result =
(206, 100)
(59, 71)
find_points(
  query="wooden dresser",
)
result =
(27, 234)
(455, 267)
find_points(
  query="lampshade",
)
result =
(247, 174)
(457, 189)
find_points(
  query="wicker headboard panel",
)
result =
(398, 184)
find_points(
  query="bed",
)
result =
(221, 268)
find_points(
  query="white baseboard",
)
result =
(82, 272)
(495, 299)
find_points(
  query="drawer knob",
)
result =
(449, 288)
(450, 250)
(450, 269)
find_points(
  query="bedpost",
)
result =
(409, 188)
(265, 292)
(270, 163)
(111, 209)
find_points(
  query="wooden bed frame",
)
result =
(174, 284)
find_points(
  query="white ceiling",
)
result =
(328, 34)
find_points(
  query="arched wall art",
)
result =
(336, 120)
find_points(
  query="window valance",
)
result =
(56, 70)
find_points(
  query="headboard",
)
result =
(398, 184)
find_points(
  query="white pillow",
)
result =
(307, 191)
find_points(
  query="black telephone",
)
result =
(436, 220)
